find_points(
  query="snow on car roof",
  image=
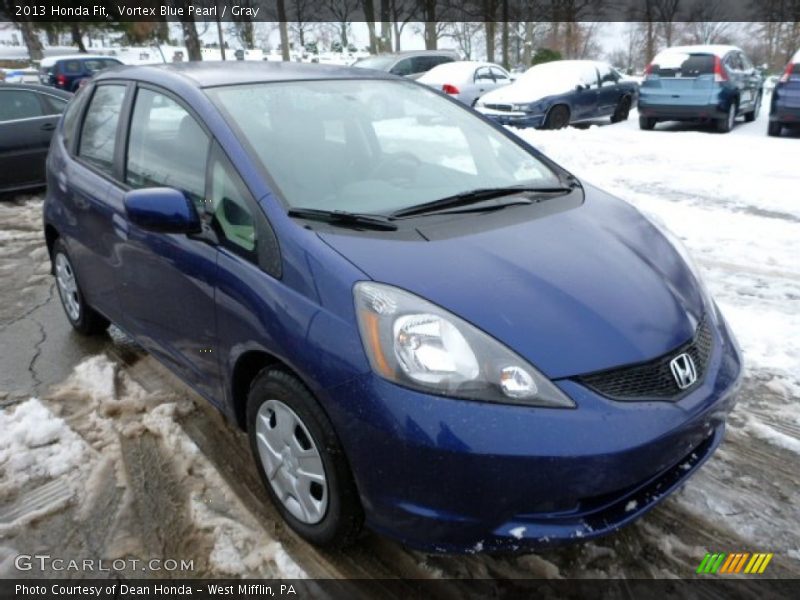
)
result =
(716, 49)
(796, 57)
(49, 61)
(456, 71)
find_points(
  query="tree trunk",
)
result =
(283, 29)
(527, 50)
(386, 27)
(190, 38)
(504, 37)
(489, 27)
(430, 35)
(369, 16)
(31, 39)
(343, 35)
(221, 40)
(397, 33)
(77, 37)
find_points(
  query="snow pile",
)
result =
(35, 444)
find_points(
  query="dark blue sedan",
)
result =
(559, 93)
(423, 324)
(784, 110)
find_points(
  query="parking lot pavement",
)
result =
(125, 461)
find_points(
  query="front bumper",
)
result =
(665, 112)
(449, 475)
(513, 119)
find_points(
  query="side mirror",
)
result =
(164, 210)
(579, 88)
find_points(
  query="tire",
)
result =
(726, 123)
(622, 111)
(557, 117)
(753, 114)
(647, 123)
(330, 514)
(774, 129)
(83, 318)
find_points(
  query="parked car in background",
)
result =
(408, 64)
(66, 72)
(466, 81)
(784, 110)
(27, 75)
(555, 94)
(558, 388)
(28, 116)
(700, 83)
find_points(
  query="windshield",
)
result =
(381, 63)
(372, 146)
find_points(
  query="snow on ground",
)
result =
(84, 449)
(733, 199)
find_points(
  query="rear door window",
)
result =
(166, 147)
(19, 104)
(99, 131)
(403, 67)
(499, 75)
(71, 67)
(53, 105)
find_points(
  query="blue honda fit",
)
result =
(423, 324)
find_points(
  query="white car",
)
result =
(466, 80)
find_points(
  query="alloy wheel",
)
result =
(67, 287)
(291, 462)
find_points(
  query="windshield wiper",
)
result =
(478, 195)
(342, 217)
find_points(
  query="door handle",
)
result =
(48, 127)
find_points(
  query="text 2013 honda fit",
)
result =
(423, 324)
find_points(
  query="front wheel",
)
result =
(753, 114)
(557, 118)
(301, 461)
(83, 318)
(647, 123)
(622, 111)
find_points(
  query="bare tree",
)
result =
(31, 39)
(283, 30)
(464, 33)
(402, 11)
(301, 14)
(343, 11)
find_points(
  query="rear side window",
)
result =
(71, 67)
(499, 75)
(70, 122)
(166, 147)
(53, 105)
(99, 132)
(19, 104)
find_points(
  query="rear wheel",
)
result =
(301, 461)
(647, 123)
(83, 318)
(774, 128)
(753, 114)
(622, 111)
(726, 123)
(557, 118)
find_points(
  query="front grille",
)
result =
(503, 107)
(654, 379)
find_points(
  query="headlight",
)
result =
(414, 343)
(522, 107)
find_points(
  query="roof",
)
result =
(459, 68)
(216, 73)
(717, 49)
(49, 61)
(44, 89)
(418, 53)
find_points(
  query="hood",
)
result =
(587, 289)
(529, 90)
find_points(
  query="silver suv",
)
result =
(408, 64)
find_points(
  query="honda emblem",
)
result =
(683, 370)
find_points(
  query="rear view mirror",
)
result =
(165, 210)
